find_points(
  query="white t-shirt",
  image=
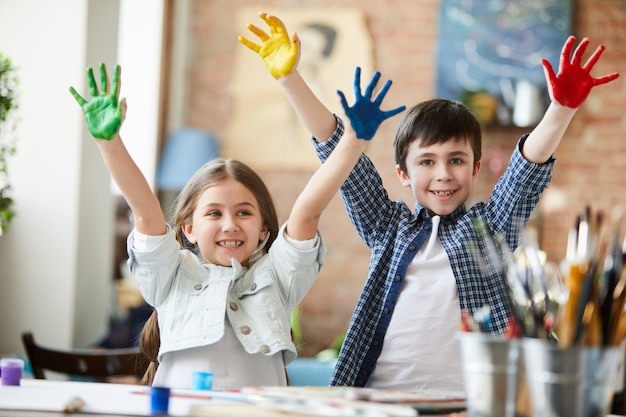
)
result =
(176, 368)
(420, 350)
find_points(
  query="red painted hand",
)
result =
(573, 83)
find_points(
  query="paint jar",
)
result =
(159, 400)
(202, 381)
(11, 371)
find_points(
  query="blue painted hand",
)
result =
(365, 115)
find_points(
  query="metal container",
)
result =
(572, 382)
(494, 387)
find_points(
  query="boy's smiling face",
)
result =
(441, 176)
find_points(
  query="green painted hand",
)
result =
(104, 112)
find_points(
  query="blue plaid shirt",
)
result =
(395, 234)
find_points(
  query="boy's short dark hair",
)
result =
(436, 121)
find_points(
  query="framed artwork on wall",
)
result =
(489, 55)
(265, 131)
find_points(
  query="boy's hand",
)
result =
(365, 116)
(104, 112)
(279, 52)
(573, 83)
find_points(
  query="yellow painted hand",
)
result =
(104, 112)
(279, 52)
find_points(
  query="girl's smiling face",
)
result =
(226, 223)
(441, 176)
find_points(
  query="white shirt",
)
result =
(231, 365)
(421, 351)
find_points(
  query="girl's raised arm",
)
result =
(104, 113)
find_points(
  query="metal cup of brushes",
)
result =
(574, 374)
(494, 385)
(494, 367)
(574, 382)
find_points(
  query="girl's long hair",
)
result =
(212, 172)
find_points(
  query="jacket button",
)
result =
(234, 306)
(265, 349)
(197, 287)
(253, 287)
(245, 329)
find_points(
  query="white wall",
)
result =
(55, 260)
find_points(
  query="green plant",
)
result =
(8, 103)
(332, 352)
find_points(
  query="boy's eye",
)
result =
(427, 162)
(456, 161)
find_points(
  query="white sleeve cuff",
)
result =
(302, 244)
(145, 243)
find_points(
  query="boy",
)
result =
(422, 272)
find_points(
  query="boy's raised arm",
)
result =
(365, 119)
(568, 90)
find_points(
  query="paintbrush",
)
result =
(617, 313)
(576, 268)
(568, 319)
(613, 264)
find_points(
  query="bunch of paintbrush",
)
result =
(595, 277)
(534, 289)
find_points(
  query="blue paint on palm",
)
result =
(365, 115)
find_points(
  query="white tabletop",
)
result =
(99, 398)
(47, 398)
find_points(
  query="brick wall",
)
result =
(590, 161)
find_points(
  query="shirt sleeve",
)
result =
(296, 268)
(145, 243)
(302, 244)
(363, 193)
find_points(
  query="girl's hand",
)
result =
(279, 52)
(104, 112)
(365, 116)
(573, 83)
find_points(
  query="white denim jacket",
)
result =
(191, 297)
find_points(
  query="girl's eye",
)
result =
(243, 213)
(214, 213)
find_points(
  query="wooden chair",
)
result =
(98, 364)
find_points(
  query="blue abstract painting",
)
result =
(492, 45)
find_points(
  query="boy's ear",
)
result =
(404, 179)
(187, 229)
(476, 170)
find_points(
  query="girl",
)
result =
(223, 278)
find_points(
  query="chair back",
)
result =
(95, 363)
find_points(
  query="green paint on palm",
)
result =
(103, 112)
